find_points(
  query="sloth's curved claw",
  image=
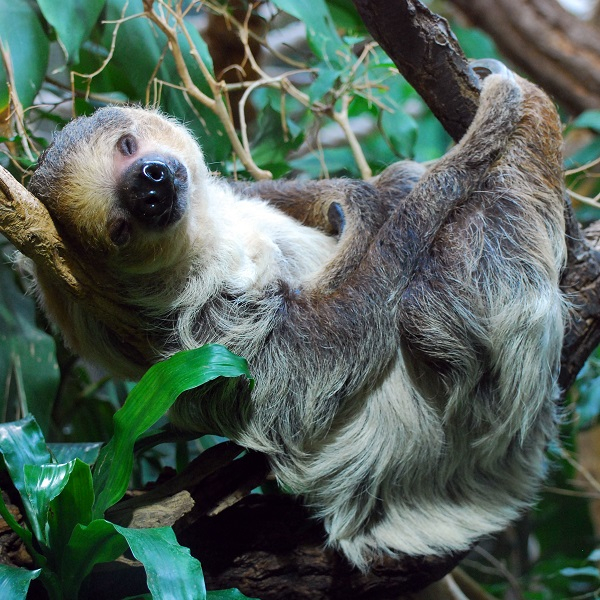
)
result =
(490, 66)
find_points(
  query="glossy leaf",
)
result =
(14, 582)
(89, 545)
(172, 573)
(88, 453)
(29, 374)
(43, 483)
(22, 443)
(72, 507)
(590, 119)
(322, 36)
(148, 402)
(73, 21)
(22, 34)
(401, 131)
(233, 594)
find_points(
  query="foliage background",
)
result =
(318, 88)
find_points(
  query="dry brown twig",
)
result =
(29, 227)
(162, 11)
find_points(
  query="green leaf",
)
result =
(171, 571)
(323, 84)
(22, 34)
(584, 155)
(475, 43)
(580, 572)
(29, 373)
(73, 21)
(233, 594)
(401, 131)
(590, 119)
(345, 15)
(43, 483)
(86, 452)
(72, 507)
(265, 153)
(22, 443)
(14, 582)
(322, 36)
(140, 43)
(149, 400)
(89, 545)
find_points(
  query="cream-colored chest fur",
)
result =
(258, 244)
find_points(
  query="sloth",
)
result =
(404, 332)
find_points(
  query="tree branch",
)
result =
(426, 52)
(269, 546)
(551, 45)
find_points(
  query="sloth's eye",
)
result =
(127, 145)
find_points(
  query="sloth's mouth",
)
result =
(153, 190)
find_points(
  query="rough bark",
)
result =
(552, 46)
(269, 546)
(426, 52)
(414, 39)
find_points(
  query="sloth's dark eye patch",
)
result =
(127, 145)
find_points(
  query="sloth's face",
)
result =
(121, 181)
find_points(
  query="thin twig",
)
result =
(17, 112)
(594, 483)
(113, 43)
(585, 167)
(584, 199)
(341, 118)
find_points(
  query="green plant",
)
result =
(64, 503)
(336, 81)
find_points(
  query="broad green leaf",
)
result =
(233, 594)
(149, 400)
(322, 36)
(89, 545)
(73, 21)
(22, 35)
(346, 16)
(22, 443)
(43, 483)
(72, 507)
(29, 374)
(401, 131)
(475, 43)
(323, 84)
(266, 154)
(584, 155)
(86, 452)
(14, 582)
(590, 119)
(171, 571)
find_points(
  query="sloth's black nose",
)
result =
(148, 190)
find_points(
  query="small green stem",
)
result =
(51, 583)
